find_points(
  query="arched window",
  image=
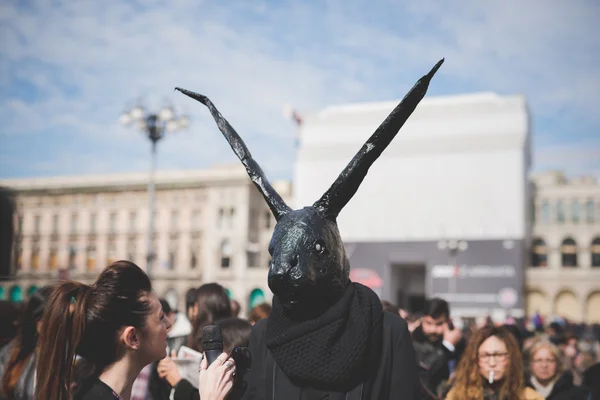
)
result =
(568, 251)
(16, 294)
(257, 296)
(32, 289)
(225, 253)
(2, 293)
(539, 254)
(596, 252)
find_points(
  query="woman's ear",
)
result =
(131, 338)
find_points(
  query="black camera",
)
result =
(242, 358)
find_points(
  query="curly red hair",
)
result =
(467, 382)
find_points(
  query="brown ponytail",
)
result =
(85, 320)
(63, 326)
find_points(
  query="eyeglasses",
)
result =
(544, 361)
(486, 357)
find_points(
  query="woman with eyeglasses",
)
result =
(547, 376)
(491, 368)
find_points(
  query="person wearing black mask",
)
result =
(326, 335)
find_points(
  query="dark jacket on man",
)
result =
(328, 350)
(433, 360)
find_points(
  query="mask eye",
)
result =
(320, 247)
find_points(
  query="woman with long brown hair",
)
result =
(491, 368)
(116, 325)
(18, 358)
(213, 304)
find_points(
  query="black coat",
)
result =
(564, 389)
(396, 376)
(433, 360)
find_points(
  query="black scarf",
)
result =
(334, 351)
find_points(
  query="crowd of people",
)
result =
(116, 339)
(111, 340)
(513, 359)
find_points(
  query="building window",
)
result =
(589, 212)
(20, 224)
(253, 258)
(74, 223)
(221, 218)
(19, 258)
(111, 253)
(560, 212)
(53, 260)
(113, 222)
(55, 223)
(268, 219)
(231, 217)
(575, 211)
(172, 259)
(91, 257)
(35, 259)
(225, 253)
(545, 212)
(174, 221)
(568, 251)
(596, 252)
(36, 224)
(193, 260)
(195, 220)
(72, 257)
(539, 254)
(93, 218)
(132, 221)
(131, 251)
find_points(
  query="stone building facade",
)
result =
(211, 226)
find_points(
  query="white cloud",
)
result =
(88, 59)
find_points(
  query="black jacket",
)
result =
(433, 360)
(395, 378)
(564, 389)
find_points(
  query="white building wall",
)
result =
(458, 168)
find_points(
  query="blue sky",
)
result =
(69, 68)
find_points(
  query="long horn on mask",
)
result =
(347, 183)
(275, 202)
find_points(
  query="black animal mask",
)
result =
(309, 267)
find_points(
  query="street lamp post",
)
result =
(453, 247)
(154, 125)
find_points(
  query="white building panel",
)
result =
(458, 168)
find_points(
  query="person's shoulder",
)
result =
(260, 327)
(531, 394)
(94, 389)
(450, 395)
(394, 323)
